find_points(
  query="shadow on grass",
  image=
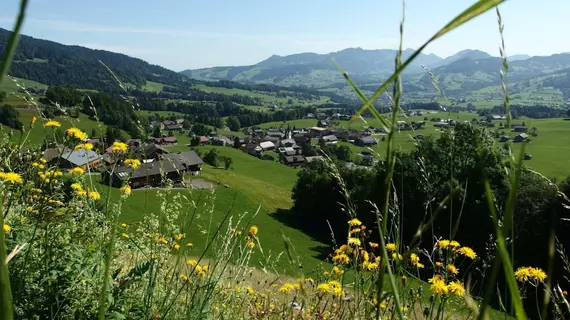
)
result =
(290, 219)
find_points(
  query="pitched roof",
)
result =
(150, 149)
(169, 139)
(294, 159)
(367, 139)
(80, 157)
(330, 138)
(186, 158)
(50, 154)
(149, 169)
(267, 145)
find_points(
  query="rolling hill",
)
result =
(468, 74)
(317, 70)
(52, 63)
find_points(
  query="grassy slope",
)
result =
(37, 134)
(252, 183)
(153, 86)
(8, 85)
(266, 97)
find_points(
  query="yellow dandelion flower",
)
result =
(364, 255)
(6, 228)
(126, 190)
(176, 246)
(396, 256)
(456, 288)
(192, 262)
(42, 160)
(467, 252)
(439, 288)
(249, 290)
(76, 133)
(452, 269)
(124, 235)
(76, 186)
(250, 244)
(119, 147)
(420, 265)
(253, 230)
(189, 244)
(356, 230)
(52, 124)
(77, 171)
(442, 244)
(341, 258)
(344, 249)
(354, 241)
(94, 195)
(391, 247)
(324, 288)
(373, 245)
(414, 259)
(134, 163)
(454, 244)
(337, 271)
(354, 222)
(435, 278)
(371, 266)
(81, 193)
(34, 119)
(404, 278)
(11, 177)
(183, 277)
(88, 146)
(527, 274)
(124, 225)
(35, 164)
(438, 264)
(179, 236)
(286, 288)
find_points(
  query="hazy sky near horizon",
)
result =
(195, 34)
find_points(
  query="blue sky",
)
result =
(182, 34)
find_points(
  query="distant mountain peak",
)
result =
(517, 57)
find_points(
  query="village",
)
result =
(291, 146)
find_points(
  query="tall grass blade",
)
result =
(6, 308)
(13, 41)
(383, 121)
(502, 252)
(472, 12)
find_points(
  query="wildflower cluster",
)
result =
(445, 281)
(530, 275)
(76, 134)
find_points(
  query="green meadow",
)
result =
(251, 185)
(37, 134)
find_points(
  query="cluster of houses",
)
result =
(289, 143)
(170, 125)
(157, 164)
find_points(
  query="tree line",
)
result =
(422, 178)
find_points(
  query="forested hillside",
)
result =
(52, 63)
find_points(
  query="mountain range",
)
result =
(467, 74)
(470, 75)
